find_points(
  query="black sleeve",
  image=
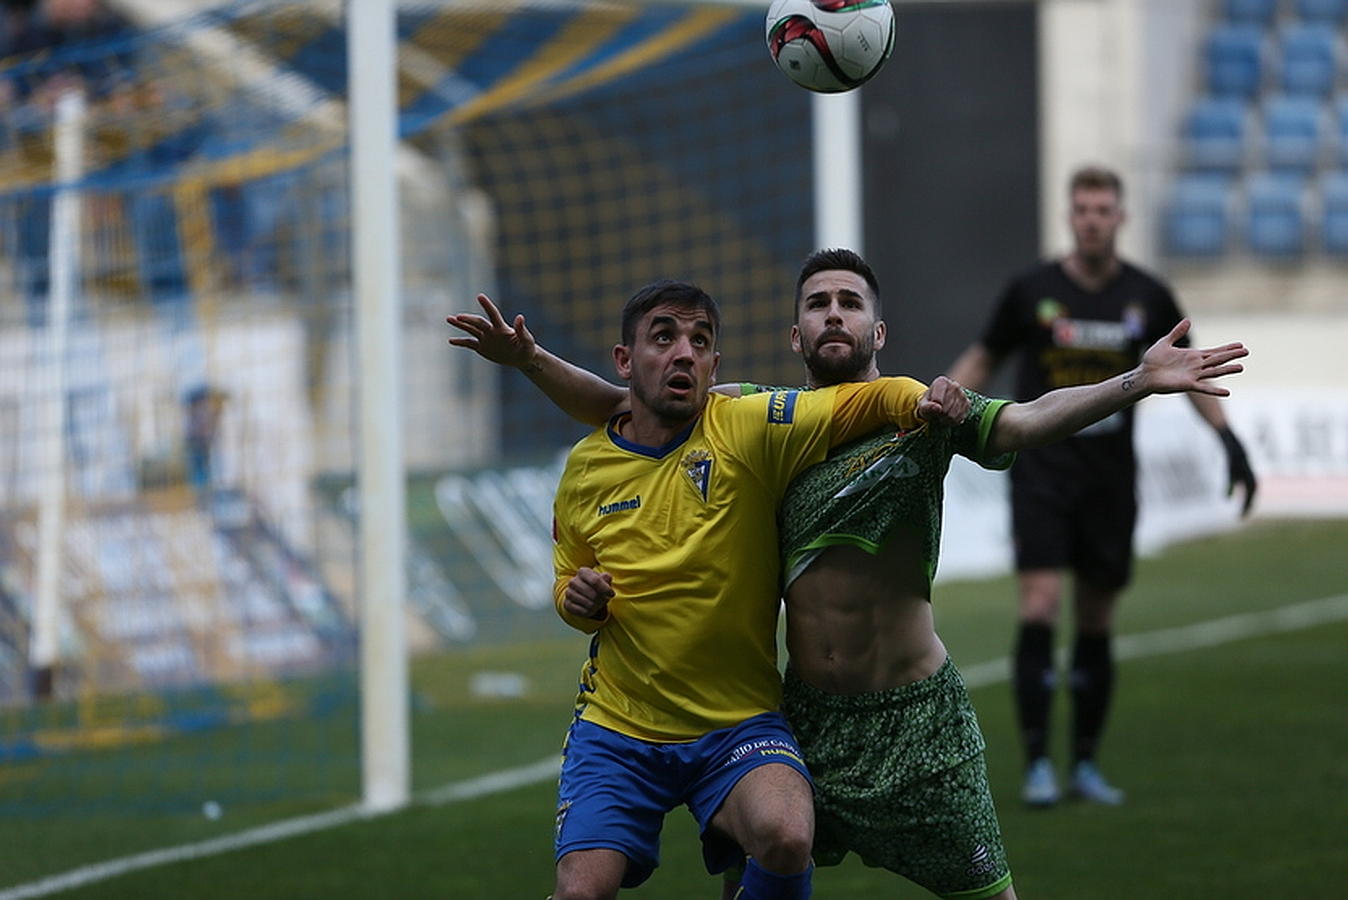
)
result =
(1005, 329)
(1167, 316)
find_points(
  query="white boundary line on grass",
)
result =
(1212, 633)
(1197, 636)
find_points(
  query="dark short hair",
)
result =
(837, 258)
(681, 294)
(1095, 178)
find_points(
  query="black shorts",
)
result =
(1072, 512)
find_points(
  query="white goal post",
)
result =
(385, 742)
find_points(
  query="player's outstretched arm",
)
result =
(1165, 369)
(579, 393)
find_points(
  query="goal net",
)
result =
(177, 378)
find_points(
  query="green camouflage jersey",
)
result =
(868, 489)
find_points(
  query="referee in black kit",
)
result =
(1077, 320)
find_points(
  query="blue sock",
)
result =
(760, 884)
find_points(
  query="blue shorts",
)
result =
(615, 790)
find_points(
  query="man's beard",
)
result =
(835, 369)
(1096, 255)
(669, 410)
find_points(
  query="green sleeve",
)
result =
(971, 436)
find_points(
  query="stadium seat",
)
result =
(1293, 132)
(1275, 217)
(1258, 12)
(1213, 135)
(1233, 58)
(1332, 11)
(1196, 216)
(1341, 131)
(1334, 213)
(1308, 58)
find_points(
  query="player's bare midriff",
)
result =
(857, 622)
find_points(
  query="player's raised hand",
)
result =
(1167, 369)
(490, 336)
(588, 593)
(944, 403)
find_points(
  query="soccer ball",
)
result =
(830, 45)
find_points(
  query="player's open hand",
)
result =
(491, 337)
(1167, 369)
(588, 593)
(944, 403)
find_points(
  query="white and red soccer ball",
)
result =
(830, 46)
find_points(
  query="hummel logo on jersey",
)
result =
(885, 467)
(782, 407)
(620, 506)
(697, 466)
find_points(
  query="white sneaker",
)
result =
(1089, 784)
(1041, 784)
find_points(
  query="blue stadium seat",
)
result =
(1275, 215)
(1308, 58)
(1332, 11)
(1334, 213)
(1213, 135)
(1259, 12)
(1233, 58)
(1195, 220)
(1341, 130)
(1293, 133)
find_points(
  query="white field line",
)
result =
(1294, 617)
(505, 780)
(1188, 637)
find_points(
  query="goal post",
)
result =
(64, 263)
(372, 55)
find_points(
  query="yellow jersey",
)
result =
(688, 533)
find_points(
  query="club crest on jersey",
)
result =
(782, 407)
(697, 466)
(1134, 321)
(1049, 311)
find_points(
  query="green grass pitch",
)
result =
(1232, 756)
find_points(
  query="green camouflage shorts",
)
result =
(900, 779)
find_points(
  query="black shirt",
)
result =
(1066, 335)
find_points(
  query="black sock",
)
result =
(1092, 688)
(1034, 683)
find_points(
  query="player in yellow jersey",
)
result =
(666, 552)
(860, 630)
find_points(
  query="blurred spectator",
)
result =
(204, 404)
